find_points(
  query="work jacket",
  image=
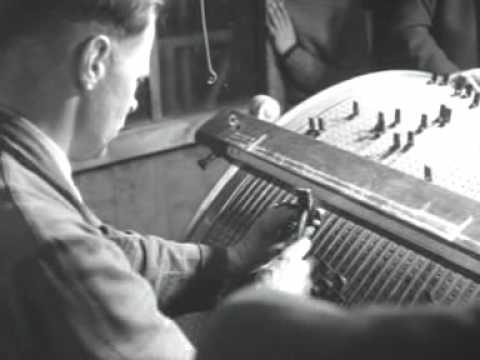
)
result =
(72, 287)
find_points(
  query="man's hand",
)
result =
(264, 240)
(280, 26)
(290, 272)
(467, 77)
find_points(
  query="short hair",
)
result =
(28, 17)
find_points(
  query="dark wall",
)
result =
(157, 194)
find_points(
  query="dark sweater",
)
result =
(332, 46)
(433, 35)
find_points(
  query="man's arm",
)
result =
(86, 302)
(308, 70)
(404, 39)
(421, 51)
(185, 277)
(92, 292)
(189, 277)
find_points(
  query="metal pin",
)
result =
(433, 79)
(468, 91)
(398, 118)
(423, 124)
(314, 127)
(410, 141)
(380, 126)
(427, 173)
(445, 79)
(397, 143)
(320, 124)
(355, 109)
(476, 101)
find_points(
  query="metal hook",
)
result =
(213, 77)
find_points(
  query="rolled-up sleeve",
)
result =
(405, 39)
(185, 277)
(411, 13)
(82, 299)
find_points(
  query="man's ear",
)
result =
(94, 59)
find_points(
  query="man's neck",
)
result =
(46, 108)
(35, 86)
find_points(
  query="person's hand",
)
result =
(280, 26)
(470, 77)
(289, 271)
(264, 240)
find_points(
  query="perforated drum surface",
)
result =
(450, 149)
(362, 265)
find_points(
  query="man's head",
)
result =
(83, 58)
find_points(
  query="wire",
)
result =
(213, 76)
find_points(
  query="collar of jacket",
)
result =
(18, 139)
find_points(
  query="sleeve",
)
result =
(331, 46)
(423, 51)
(309, 72)
(408, 13)
(185, 277)
(84, 301)
(404, 39)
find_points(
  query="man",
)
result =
(72, 287)
(433, 35)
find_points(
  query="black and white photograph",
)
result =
(239, 179)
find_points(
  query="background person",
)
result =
(440, 36)
(316, 43)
